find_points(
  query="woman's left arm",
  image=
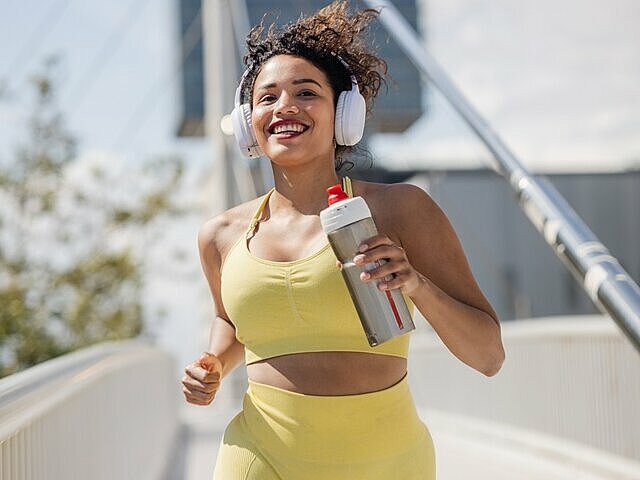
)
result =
(431, 268)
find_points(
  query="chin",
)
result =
(286, 156)
(295, 155)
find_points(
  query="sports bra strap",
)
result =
(258, 214)
(346, 186)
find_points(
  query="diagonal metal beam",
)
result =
(609, 286)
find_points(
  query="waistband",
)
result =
(365, 426)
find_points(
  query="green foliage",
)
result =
(67, 277)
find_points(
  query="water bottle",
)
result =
(347, 222)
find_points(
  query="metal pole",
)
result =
(214, 33)
(240, 167)
(241, 26)
(610, 287)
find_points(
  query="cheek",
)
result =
(331, 124)
(257, 121)
(323, 118)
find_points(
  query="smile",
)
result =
(287, 129)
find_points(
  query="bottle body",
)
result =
(384, 314)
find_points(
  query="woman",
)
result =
(322, 403)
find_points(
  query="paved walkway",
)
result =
(204, 431)
(204, 427)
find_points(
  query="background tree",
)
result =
(74, 236)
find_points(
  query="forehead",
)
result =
(285, 68)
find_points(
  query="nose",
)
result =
(286, 104)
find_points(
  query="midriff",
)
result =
(329, 373)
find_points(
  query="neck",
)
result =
(302, 189)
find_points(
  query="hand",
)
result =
(397, 272)
(202, 379)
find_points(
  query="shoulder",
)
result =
(218, 234)
(402, 193)
(399, 206)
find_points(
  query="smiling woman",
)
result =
(293, 112)
(322, 403)
(331, 41)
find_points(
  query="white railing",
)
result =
(464, 444)
(106, 412)
(576, 379)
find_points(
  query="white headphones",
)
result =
(349, 121)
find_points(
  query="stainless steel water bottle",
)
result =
(347, 222)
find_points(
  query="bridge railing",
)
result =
(574, 379)
(105, 412)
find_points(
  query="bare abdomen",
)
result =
(329, 373)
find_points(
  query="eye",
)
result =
(307, 93)
(267, 98)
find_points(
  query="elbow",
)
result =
(491, 370)
(496, 355)
(497, 359)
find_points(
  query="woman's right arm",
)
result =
(202, 377)
(222, 335)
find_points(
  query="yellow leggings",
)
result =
(282, 435)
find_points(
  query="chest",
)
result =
(282, 242)
(265, 298)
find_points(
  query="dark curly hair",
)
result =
(331, 31)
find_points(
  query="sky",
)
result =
(559, 80)
(117, 75)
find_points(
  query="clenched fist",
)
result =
(202, 379)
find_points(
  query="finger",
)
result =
(399, 281)
(372, 255)
(373, 242)
(195, 385)
(212, 377)
(199, 396)
(209, 361)
(199, 401)
(203, 375)
(388, 269)
(339, 264)
(190, 397)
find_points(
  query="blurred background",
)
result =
(115, 148)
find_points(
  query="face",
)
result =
(293, 111)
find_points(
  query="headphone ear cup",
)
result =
(254, 149)
(338, 120)
(243, 131)
(350, 115)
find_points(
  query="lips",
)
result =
(287, 128)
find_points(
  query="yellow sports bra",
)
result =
(281, 308)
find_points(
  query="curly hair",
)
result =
(331, 31)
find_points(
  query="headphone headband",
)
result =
(348, 68)
(245, 74)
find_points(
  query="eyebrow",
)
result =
(295, 82)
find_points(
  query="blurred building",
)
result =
(192, 75)
(516, 269)
(396, 109)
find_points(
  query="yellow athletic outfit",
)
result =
(281, 308)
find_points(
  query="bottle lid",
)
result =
(342, 210)
(336, 194)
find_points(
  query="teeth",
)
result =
(288, 127)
